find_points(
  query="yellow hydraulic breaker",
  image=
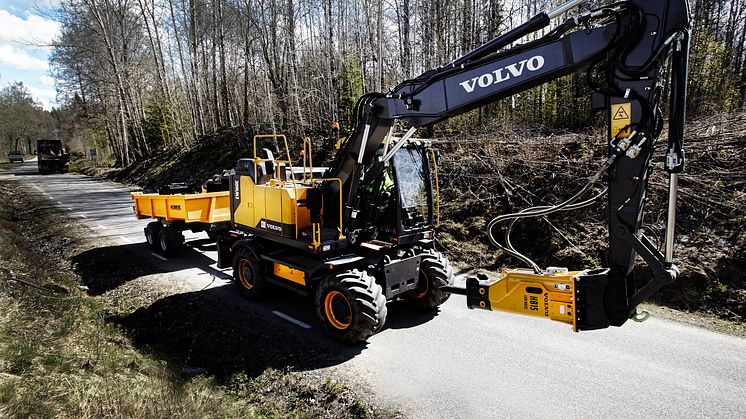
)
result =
(575, 297)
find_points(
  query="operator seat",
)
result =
(264, 168)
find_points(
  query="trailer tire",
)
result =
(249, 274)
(171, 241)
(351, 306)
(435, 272)
(153, 234)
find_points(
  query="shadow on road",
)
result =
(215, 328)
(208, 329)
(32, 173)
(105, 268)
(402, 316)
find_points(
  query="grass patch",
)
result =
(59, 357)
(275, 393)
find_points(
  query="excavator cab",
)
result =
(400, 198)
(414, 189)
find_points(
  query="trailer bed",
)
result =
(207, 207)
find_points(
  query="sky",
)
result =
(26, 30)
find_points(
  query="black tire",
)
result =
(153, 234)
(171, 241)
(435, 272)
(249, 274)
(351, 306)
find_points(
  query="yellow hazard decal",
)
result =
(621, 118)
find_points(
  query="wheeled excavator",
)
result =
(361, 233)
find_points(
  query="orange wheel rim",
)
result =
(337, 309)
(246, 281)
(421, 292)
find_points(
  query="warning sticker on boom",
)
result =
(621, 118)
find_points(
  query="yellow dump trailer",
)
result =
(211, 207)
(207, 211)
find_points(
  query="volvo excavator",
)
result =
(362, 233)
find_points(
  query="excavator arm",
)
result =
(636, 46)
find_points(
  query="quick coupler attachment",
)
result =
(574, 298)
(590, 291)
(478, 292)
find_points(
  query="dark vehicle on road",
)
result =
(15, 156)
(51, 157)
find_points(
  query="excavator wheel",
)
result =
(351, 306)
(248, 272)
(153, 234)
(170, 241)
(435, 272)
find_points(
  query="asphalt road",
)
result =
(458, 363)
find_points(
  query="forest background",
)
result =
(137, 77)
(173, 90)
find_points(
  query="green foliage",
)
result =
(158, 127)
(77, 130)
(350, 88)
(564, 103)
(22, 120)
(713, 87)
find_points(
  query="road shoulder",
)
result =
(56, 336)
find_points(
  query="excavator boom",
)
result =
(628, 45)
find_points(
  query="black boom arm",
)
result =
(460, 89)
(628, 43)
(482, 76)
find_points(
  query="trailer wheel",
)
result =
(248, 272)
(153, 234)
(171, 241)
(351, 306)
(435, 272)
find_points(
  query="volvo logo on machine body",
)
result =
(502, 74)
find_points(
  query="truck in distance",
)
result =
(52, 157)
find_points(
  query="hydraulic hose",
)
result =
(540, 211)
